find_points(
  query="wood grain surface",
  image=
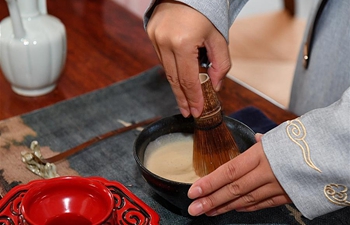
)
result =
(107, 44)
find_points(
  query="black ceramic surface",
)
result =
(172, 191)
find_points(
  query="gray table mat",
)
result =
(69, 123)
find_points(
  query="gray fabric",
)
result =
(323, 83)
(327, 130)
(328, 74)
(326, 141)
(72, 122)
(221, 13)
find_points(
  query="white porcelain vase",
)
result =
(33, 47)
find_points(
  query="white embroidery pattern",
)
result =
(337, 194)
(297, 133)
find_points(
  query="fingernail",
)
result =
(195, 113)
(195, 209)
(195, 192)
(184, 112)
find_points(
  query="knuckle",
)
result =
(210, 186)
(175, 40)
(270, 203)
(208, 203)
(230, 172)
(249, 199)
(174, 82)
(158, 35)
(227, 64)
(223, 67)
(188, 83)
(180, 39)
(234, 189)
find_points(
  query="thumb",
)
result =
(258, 137)
(219, 58)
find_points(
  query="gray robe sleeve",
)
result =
(221, 13)
(310, 157)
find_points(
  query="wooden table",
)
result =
(107, 44)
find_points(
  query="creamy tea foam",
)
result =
(170, 157)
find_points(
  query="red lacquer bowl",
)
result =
(68, 200)
(74, 200)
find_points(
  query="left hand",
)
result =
(245, 183)
(177, 31)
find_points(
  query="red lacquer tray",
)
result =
(129, 209)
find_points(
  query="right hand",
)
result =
(245, 183)
(177, 31)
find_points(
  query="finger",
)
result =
(169, 63)
(245, 191)
(250, 189)
(258, 137)
(255, 197)
(228, 194)
(219, 57)
(183, 48)
(158, 32)
(268, 203)
(227, 173)
(188, 72)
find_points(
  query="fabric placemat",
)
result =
(72, 122)
(254, 118)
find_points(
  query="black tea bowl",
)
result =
(175, 192)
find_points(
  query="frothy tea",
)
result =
(170, 157)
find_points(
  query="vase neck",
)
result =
(28, 8)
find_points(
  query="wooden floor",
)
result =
(264, 50)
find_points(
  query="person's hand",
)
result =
(245, 183)
(177, 31)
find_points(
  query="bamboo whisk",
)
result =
(213, 142)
